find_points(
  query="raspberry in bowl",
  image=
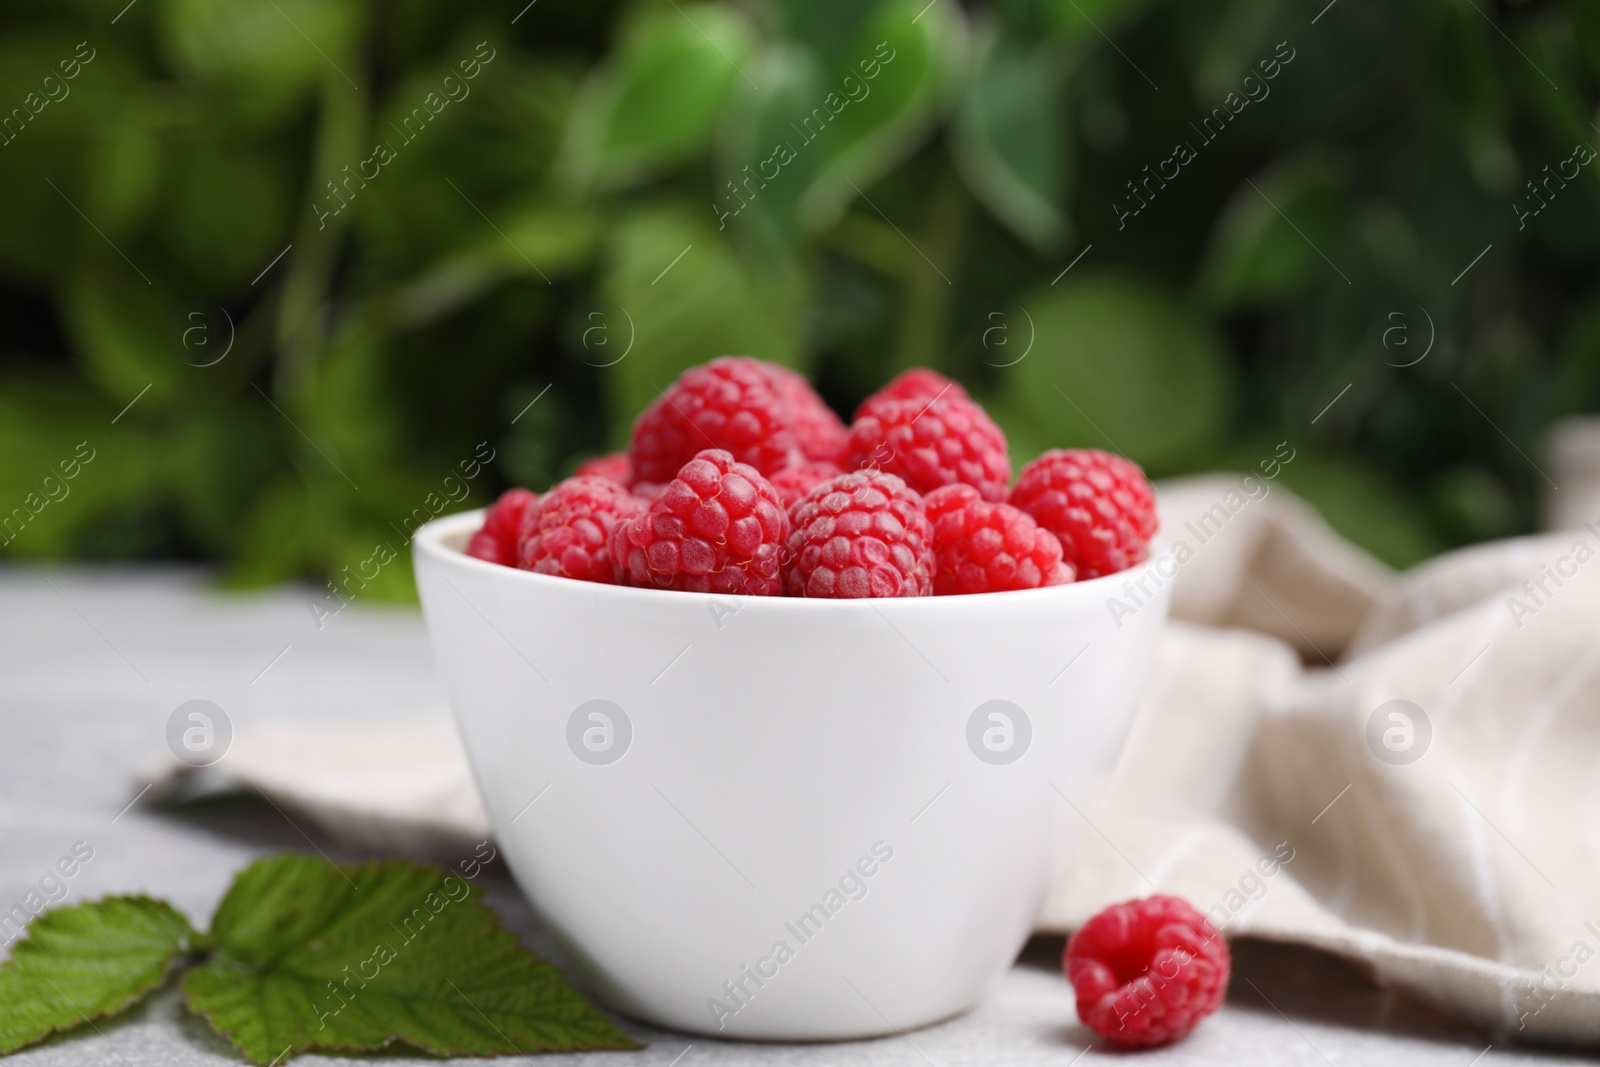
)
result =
(829, 814)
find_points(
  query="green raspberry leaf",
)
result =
(313, 956)
(86, 961)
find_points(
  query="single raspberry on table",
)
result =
(568, 531)
(861, 534)
(1099, 504)
(612, 465)
(496, 541)
(918, 383)
(1147, 971)
(931, 443)
(800, 477)
(733, 403)
(983, 547)
(718, 527)
(817, 430)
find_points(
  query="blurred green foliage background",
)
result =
(565, 218)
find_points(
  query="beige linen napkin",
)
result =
(1424, 798)
(1450, 843)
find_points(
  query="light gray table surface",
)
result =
(92, 663)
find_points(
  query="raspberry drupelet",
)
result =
(612, 465)
(861, 534)
(568, 531)
(497, 540)
(1098, 504)
(983, 547)
(817, 430)
(718, 527)
(733, 403)
(930, 443)
(795, 481)
(918, 383)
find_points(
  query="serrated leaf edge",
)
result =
(182, 948)
(350, 870)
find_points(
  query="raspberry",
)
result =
(931, 443)
(861, 534)
(918, 383)
(612, 465)
(497, 540)
(718, 527)
(795, 481)
(646, 492)
(1100, 505)
(733, 403)
(987, 548)
(568, 532)
(817, 430)
(1147, 971)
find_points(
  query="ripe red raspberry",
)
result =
(918, 383)
(931, 443)
(817, 430)
(861, 534)
(1100, 505)
(497, 540)
(612, 465)
(718, 527)
(795, 481)
(987, 548)
(568, 532)
(646, 492)
(1147, 971)
(733, 403)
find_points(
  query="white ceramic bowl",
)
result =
(783, 819)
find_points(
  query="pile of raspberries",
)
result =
(740, 480)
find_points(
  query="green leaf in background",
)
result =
(1364, 505)
(1472, 504)
(229, 211)
(1403, 142)
(1025, 439)
(214, 462)
(347, 408)
(311, 956)
(45, 129)
(285, 533)
(1118, 364)
(921, 51)
(1390, 242)
(543, 239)
(658, 101)
(763, 166)
(1584, 27)
(67, 467)
(84, 962)
(825, 27)
(269, 56)
(687, 297)
(1006, 137)
(1232, 52)
(1265, 246)
(487, 154)
(131, 334)
(1577, 383)
(538, 239)
(1083, 22)
(799, 151)
(124, 169)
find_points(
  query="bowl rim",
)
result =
(428, 541)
